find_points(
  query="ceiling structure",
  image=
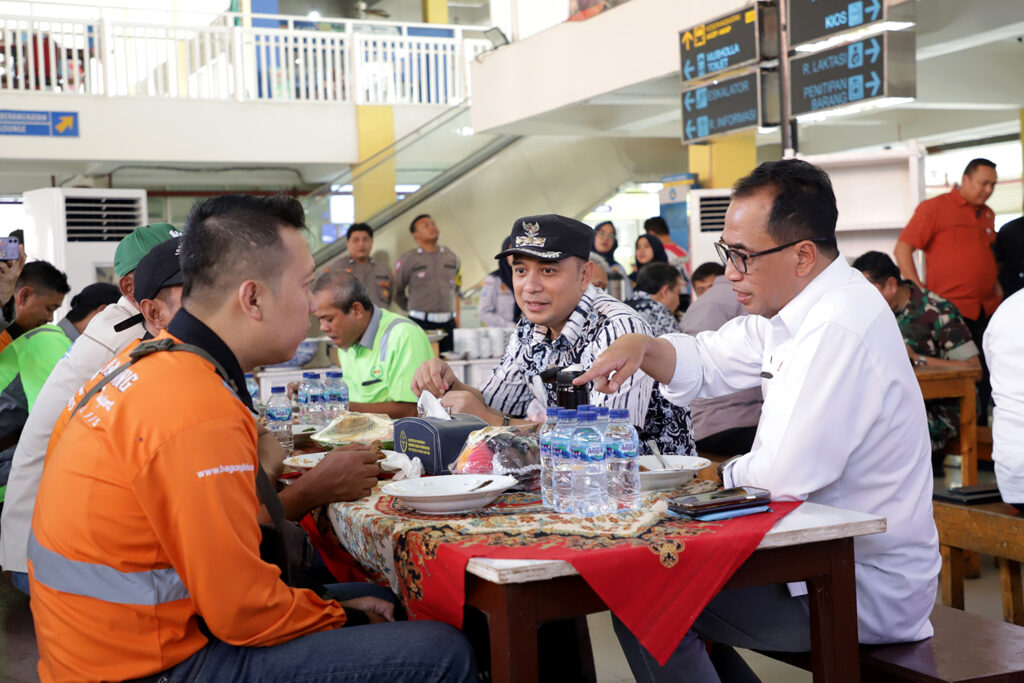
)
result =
(970, 85)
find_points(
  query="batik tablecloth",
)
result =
(654, 571)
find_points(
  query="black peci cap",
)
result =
(158, 269)
(550, 237)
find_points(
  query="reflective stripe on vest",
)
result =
(387, 333)
(147, 587)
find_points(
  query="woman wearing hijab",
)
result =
(497, 306)
(648, 250)
(605, 244)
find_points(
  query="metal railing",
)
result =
(243, 57)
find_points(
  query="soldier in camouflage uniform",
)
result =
(934, 331)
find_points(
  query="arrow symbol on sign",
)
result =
(874, 50)
(65, 122)
(690, 128)
(688, 100)
(875, 83)
(688, 69)
(874, 9)
(688, 39)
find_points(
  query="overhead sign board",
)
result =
(61, 124)
(729, 105)
(811, 20)
(722, 44)
(872, 68)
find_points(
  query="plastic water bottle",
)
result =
(302, 396)
(335, 395)
(621, 447)
(279, 417)
(561, 458)
(546, 452)
(315, 406)
(590, 471)
(253, 387)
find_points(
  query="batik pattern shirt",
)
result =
(597, 321)
(655, 313)
(932, 326)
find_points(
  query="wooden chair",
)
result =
(966, 648)
(995, 529)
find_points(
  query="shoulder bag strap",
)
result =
(263, 486)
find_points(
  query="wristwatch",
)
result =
(920, 361)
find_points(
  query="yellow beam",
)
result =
(374, 190)
(722, 161)
(435, 11)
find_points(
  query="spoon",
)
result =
(482, 484)
(657, 454)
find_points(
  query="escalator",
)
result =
(475, 185)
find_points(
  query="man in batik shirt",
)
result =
(935, 333)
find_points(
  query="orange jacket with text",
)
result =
(146, 521)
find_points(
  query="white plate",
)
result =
(304, 461)
(449, 493)
(656, 478)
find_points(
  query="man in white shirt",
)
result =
(843, 422)
(1004, 349)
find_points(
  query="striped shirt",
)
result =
(597, 321)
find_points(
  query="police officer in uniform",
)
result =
(430, 273)
(374, 274)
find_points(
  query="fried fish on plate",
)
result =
(348, 427)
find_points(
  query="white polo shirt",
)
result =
(1004, 351)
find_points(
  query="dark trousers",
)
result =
(977, 328)
(446, 344)
(735, 441)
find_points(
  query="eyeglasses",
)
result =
(739, 260)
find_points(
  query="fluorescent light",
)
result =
(853, 36)
(314, 15)
(406, 189)
(465, 131)
(341, 188)
(651, 187)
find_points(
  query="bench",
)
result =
(995, 529)
(965, 648)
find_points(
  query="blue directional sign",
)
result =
(726, 106)
(720, 45)
(879, 66)
(811, 20)
(60, 124)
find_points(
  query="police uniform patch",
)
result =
(377, 372)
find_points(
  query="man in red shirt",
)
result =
(956, 231)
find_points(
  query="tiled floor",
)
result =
(18, 652)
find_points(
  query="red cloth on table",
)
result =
(342, 565)
(657, 590)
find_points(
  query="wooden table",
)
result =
(957, 383)
(814, 543)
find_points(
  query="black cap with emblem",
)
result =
(158, 269)
(550, 237)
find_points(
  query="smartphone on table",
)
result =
(719, 501)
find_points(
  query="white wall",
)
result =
(153, 130)
(576, 60)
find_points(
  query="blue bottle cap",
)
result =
(553, 413)
(602, 411)
(620, 414)
(588, 416)
(309, 375)
(249, 375)
(277, 390)
(586, 408)
(567, 414)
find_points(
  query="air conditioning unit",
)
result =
(78, 229)
(707, 220)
